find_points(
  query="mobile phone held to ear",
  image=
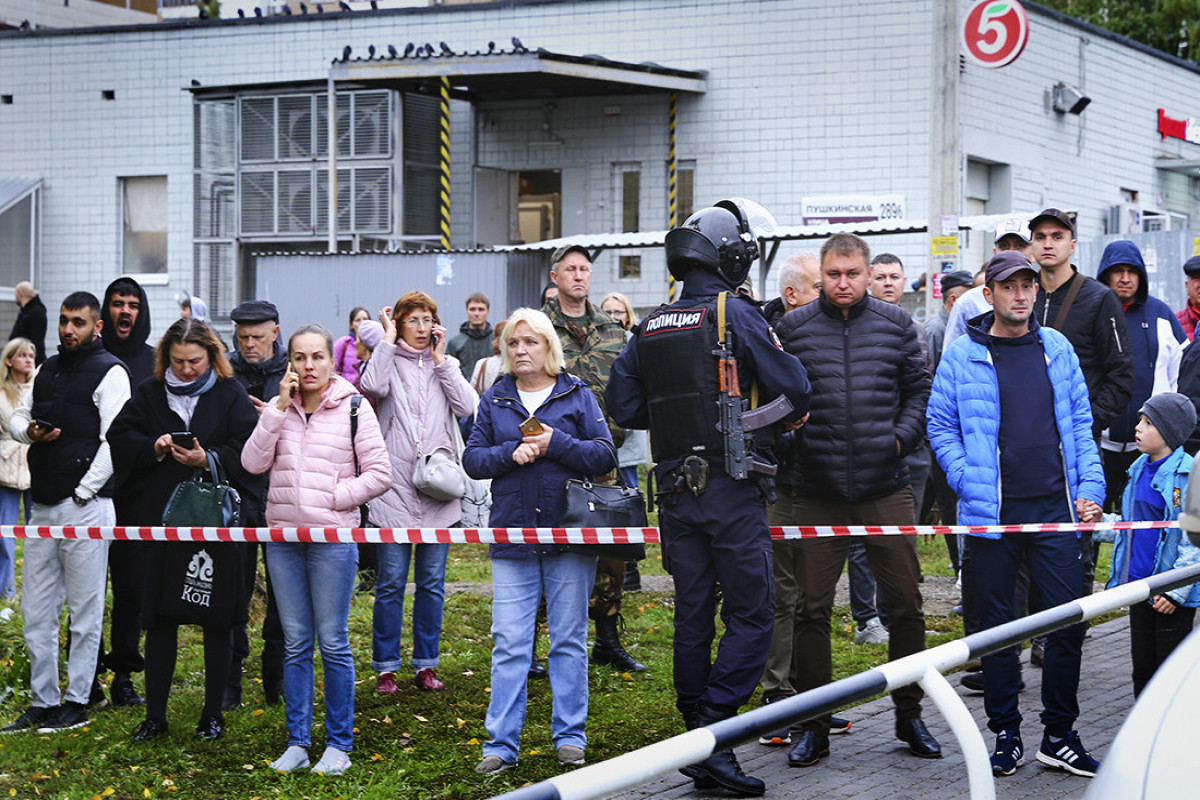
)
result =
(531, 427)
(184, 439)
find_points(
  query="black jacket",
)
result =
(222, 421)
(1189, 384)
(260, 380)
(1096, 328)
(31, 323)
(869, 390)
(133, 351)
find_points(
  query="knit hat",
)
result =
(370, 333)
(1174, 416)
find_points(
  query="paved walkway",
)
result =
(869, 763)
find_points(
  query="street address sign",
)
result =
(995, 32)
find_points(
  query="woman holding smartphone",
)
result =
(305, 439)
(537, 428)
(421, 393)
(169, 429)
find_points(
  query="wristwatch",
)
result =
(79, 501)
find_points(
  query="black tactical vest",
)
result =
(62, 395)
(679, 371)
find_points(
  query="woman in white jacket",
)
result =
(420, 392)
(16, 378)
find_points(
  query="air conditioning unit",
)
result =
(1124, 218)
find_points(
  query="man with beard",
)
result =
(258, 364)
(126, 317)
(76, 395)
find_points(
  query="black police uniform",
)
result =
(666, 380)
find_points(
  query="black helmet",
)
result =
(717, 239)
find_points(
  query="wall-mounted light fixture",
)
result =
(1068, 99)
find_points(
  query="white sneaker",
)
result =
(872, 633)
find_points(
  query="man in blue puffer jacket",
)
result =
(1010, 422)
(1157, 339)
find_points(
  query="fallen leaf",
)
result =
(472, 740)
(146, 793)
(258, 712)
(107, 791)
(376, 757)
(387, 720)
(459, 722)
(420, 718)
(247, 766)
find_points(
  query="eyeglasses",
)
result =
(423, 322)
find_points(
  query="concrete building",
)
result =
(180, 151)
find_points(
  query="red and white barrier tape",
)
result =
(515, 535)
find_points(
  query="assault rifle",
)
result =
(738, 422)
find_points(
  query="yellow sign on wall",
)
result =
(944, 245)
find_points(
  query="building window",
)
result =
(685, 196)
(628, 190)
(19, 238)
(144, 244)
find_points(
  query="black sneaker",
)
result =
(30, 719)
(65, 718)
(1009, 753)
(1068, 754)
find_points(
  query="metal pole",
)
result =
(445, 163)
(672, 187)
(962, 725)
(331, 198)
(945, 182)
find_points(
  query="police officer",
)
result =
(674, 378)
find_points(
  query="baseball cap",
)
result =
(1014, 226)
(953, 280)
(1192, 266)
(566, 249)
(253, 311)
(1053, 215)
(1004, 265)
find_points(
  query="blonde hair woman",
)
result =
(16, 378)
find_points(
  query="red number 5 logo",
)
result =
(995, 32)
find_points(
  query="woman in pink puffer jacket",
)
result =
(303, 437)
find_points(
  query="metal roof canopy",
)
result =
(13, 190)
(519, 75)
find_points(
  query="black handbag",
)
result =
(204, 504)
(590, 505)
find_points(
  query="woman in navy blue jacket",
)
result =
(528, 473)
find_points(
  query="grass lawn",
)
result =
(412, 745)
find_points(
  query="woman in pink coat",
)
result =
(420, 392)
(304, 439)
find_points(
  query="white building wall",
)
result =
(802, 99)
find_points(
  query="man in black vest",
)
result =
(76, 395)
(126, 318)
(712, 509)
(258, 364)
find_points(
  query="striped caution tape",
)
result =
(515, 535)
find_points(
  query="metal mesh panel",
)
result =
(295, 201)
(214, 129)
(258, 202)
(323, 201)
(422, 166)
(215, 276)
(372, 128)
(345, 131)
(296, 127)
(213, 213)
(258, 128)
(372, 199)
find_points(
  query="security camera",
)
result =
(1069, 100)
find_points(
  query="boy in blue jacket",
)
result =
(1155, 492)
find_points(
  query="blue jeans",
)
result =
(313, 586)
(10, 513)
(429, 575)
(517, 586)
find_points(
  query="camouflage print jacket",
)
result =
(589, 351)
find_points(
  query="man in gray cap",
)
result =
(258, 365)
(1189, 315)
(259, 361)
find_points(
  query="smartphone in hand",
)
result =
(44, 425)
(184, 439)
(531, 427)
